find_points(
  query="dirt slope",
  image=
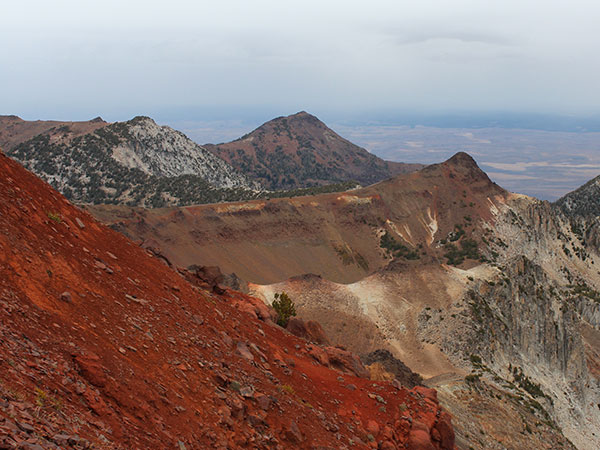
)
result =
(337, 236)
(103, 346)
(299, 151)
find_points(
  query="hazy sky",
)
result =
(78, 59)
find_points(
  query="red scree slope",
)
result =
(104, 346)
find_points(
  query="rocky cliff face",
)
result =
(164, 152)
(582, 202)
(535, 320)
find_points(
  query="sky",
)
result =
(175, 59)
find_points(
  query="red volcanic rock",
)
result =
(91, 369)
(319, 354)
(373, 427)
(387, 445)
(431, 394)
(311, 331)
(346, 362)
(211, 275)
(253, 306)
(445, 430)
(419, 440)
(142, 358)
(293, 434)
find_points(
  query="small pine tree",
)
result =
(284, 307)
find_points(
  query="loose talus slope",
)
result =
(102, 345)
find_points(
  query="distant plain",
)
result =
(544, 164)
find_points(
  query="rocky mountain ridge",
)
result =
(337, 235)
(582, 202)
(299, 151)
(136, 162)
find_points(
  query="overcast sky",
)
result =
(78, 59)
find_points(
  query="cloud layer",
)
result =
(76, 58)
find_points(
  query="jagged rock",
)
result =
(293, 434)
(244, 352)
(346, 361)
(310, 330)
(91, 369)
(373, 427)
(401, 372)
(445, 430)
(263, 401)
(211, 276)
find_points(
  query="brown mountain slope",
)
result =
(103, 346)
(477, 299)
(338, 236)
(14, 130)
(301, 151)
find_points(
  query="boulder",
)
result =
(346, 361)
(311, 331)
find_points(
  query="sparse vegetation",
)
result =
(43, 400)
(287, 388)
(54, 217)
(285, 308)
(582, 289)
(396, 249)
(473, 378)
(525, 383)
(468, 250)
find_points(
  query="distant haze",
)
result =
(219, 69)
(70, 59)
(544, 163)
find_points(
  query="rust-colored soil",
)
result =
(103, 345)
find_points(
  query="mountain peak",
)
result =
(299, 150)
(139, 120)
(302, 115)
(297, 118)
(462, 159)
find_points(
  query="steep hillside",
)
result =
(135, 162)
(581, 208)
(518, 333)
(300, 151)
(490, 296)
(582, 202)
(341, 236)
(104, 346)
